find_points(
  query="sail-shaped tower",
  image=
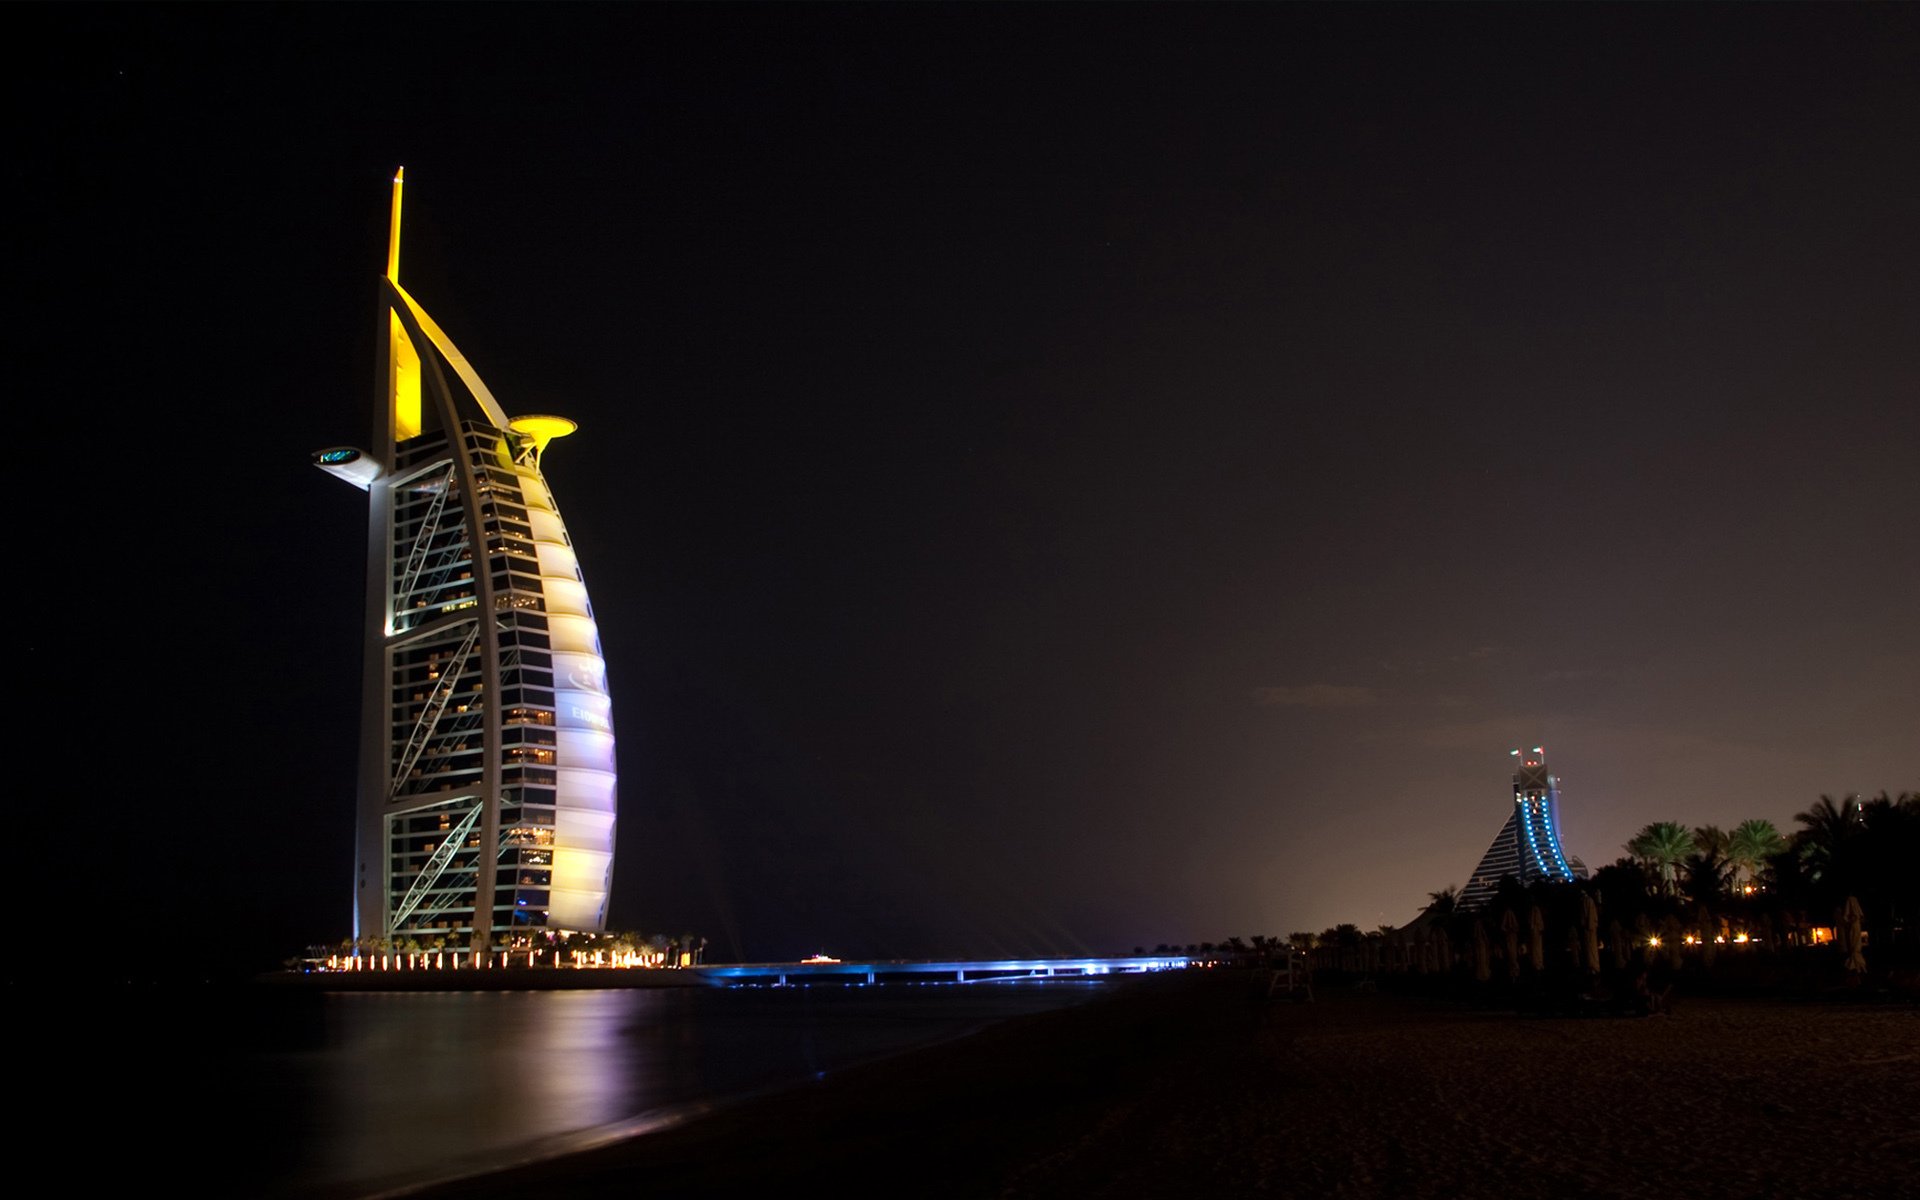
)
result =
(1528, 845)
(486, 782)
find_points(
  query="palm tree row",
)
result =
(1257, 947)
(1852, 841)
(1708, 859)
(1863, 849)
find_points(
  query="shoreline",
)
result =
(472, 979)
(1197, 1085)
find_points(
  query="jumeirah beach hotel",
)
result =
(1528, 845)
(486, 781)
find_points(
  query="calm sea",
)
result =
(342, 1095)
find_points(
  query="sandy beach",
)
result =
(1193, 1086)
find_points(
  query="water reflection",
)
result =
(441, 1081)
(383, 1090)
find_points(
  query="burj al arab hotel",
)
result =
(486, 781)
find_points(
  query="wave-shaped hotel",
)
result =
(486, 783)
(1528, 845)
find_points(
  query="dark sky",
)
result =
(1050, 477)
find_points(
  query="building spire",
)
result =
(393, 230)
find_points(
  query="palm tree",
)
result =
(1621, 887)
(1826, 828)
(1443, 902)
(1663, 846)
(1345, 938)
(1877, 864)
(1706, 876)
(1751, 844)
(1710, 839)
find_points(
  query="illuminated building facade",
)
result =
(486, 782)
(1528, 845)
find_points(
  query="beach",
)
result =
(1197, 1085)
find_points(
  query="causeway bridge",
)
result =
(833, 973)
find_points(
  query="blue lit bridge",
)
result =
(847, 974)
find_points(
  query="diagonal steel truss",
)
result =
(435, 867)
(435, 708)
(429, 527)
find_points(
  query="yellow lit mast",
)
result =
(393, 230)
(403, 379)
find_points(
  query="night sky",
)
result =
(1050, 478)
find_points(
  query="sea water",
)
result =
(350, 1094)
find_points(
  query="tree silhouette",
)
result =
(1710, 839)
(1705, 876)
(1825, 828)
(1663, 846)
(1751, 844)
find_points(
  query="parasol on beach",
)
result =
(1853, 937)
(1482, 953)
(1644, 937)
(1619, 944)
(1423, 953)
(1536, 944)
(1672, 937)
(1444, 950)
(1590, 933)
(1510, 933)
